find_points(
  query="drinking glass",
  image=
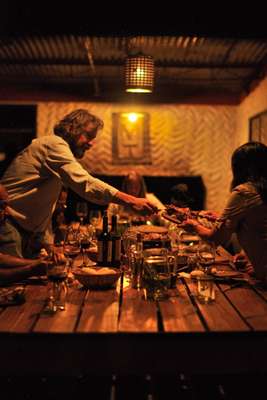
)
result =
(57, 288)
(81, 210)
(188, 246)
(205, 288)
(71, 246)
(94, 219)
(85, 243)
(206, 255)
(205, 284)
(156, 278)
(128, 246)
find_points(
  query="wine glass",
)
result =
(71, 246)
(81, 210)
(94, 219)
(85, 245)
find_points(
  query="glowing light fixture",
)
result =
(139, 74)
(132, 117)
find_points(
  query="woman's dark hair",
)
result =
(249, 163)
(180, 196)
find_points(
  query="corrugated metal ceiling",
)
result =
(185, 65)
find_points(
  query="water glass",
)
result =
(135, 264)
(206, 255)
(156, 278)
(187, 249)
(205, 288)
(57, 287)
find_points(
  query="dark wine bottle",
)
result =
(115, 243)
(104, 244)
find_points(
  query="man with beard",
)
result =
(35, 178)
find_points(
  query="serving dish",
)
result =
(97, 277)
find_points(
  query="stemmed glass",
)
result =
(85, 245)
(81, 210)
(71, 246)
(94, 219)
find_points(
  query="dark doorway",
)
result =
(17, 129)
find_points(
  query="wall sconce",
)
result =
(139, 74)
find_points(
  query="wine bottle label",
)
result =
(99, 251)
(109, 251)
(104, 251)
(117, 249)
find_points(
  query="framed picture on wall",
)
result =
(258, 128)
(130, 138)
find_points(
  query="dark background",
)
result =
(17, 129)
(81, 17)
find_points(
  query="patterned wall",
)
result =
(184, 140)
(254, 103)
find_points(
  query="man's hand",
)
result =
(210, 215)
(143, 206)
(140, 205)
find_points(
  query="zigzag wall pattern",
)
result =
(184, 140)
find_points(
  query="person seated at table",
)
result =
(134, 184)
(246, 209)
(12, 268)
(180, 196)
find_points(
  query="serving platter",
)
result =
(171, 218)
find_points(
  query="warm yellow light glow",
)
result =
(139, 74)
(132, 117)
(138, 90)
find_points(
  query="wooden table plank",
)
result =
(137, 314)
(100, 311)
(259, 288)
(219, 315)
(21, 318)
(178, 313)
(250, 305)
(63, 321)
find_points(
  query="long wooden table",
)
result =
(117, 331)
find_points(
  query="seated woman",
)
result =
(12, 268)
(134, 184)
(180, 196)
(246, 210)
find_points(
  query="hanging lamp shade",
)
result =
(139, 74)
